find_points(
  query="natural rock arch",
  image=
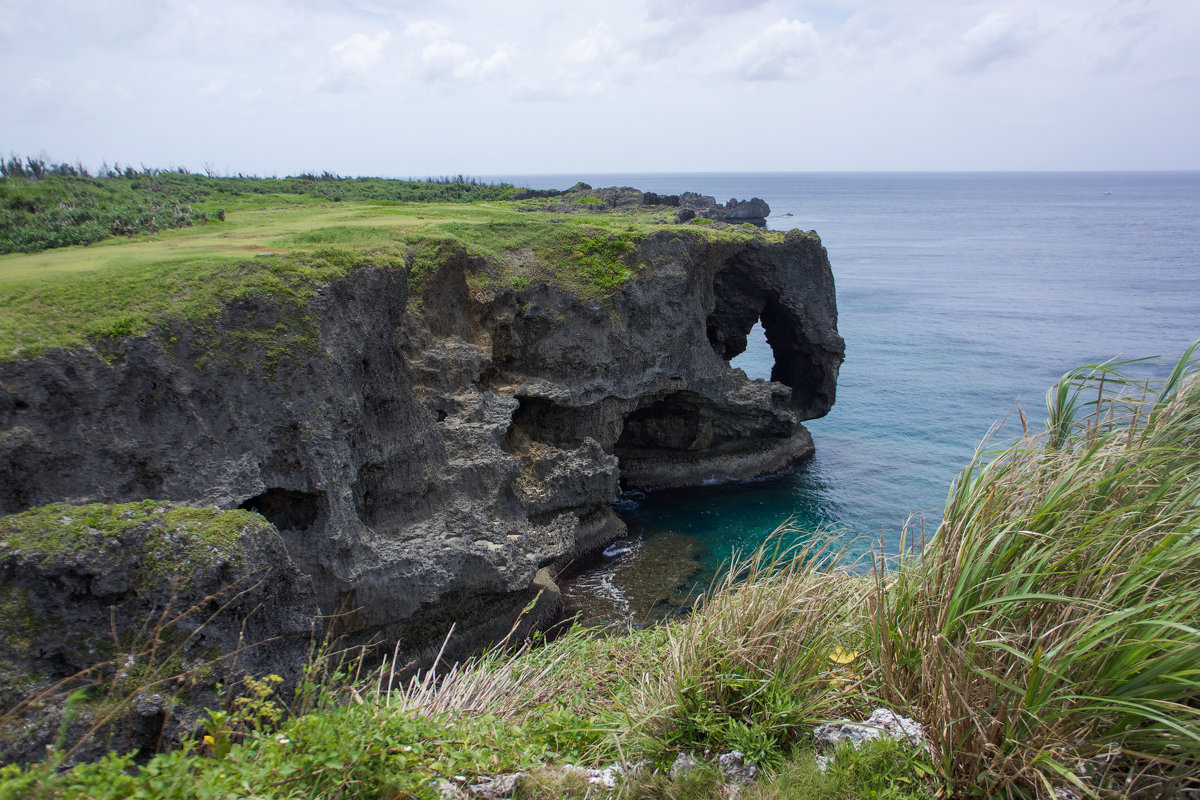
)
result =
(746, 291)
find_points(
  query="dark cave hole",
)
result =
(796, 362)
(737, 308)
(288, 509)
(541, 420)
(673, 422)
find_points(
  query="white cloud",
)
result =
(427, 29)
(36, 87)
(896, 85)
(998, 37)
(217, 85)
(678, 9)
(441, 58)
(779, 52)
(361, 52)
(476, 69)
(595, 46)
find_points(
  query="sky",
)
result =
(409, 89)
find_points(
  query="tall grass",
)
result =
(754, 666)
(1049, 633)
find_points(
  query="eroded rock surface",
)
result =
(427, 459)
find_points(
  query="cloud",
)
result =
(595, 46)
(361, 52)
(36, 87)
(675, 9)
(479, 68)
(779, 52)
(217, 85)
(999, 37)
(427, 29)
(443, 59)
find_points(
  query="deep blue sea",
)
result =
(960, 296)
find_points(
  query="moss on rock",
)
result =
(154, 539)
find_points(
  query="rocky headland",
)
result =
(444, 448)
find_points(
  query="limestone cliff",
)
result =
(434, 454)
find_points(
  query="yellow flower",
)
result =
(842, 656)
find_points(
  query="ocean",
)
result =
(961, 296)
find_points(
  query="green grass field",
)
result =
(285, 246)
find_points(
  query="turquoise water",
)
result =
(960, 296)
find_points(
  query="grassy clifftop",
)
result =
(282, 238)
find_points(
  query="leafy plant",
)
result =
(603, 259)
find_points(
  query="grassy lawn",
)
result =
(284, 246)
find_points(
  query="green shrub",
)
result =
(603, 259)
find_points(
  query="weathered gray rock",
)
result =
(683, 764)
(497, 787)
(736, 768)
(882, 724)
(754, 211)
(424, 461)
(448, 791)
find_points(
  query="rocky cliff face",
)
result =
(435, 457)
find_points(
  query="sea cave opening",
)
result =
(758, 359)
(673, 423)
(754, 330)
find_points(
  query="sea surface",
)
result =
(961, 296)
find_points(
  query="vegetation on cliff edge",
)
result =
(46, 205)
(1046, 638)
(279, 240)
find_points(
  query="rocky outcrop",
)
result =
(583, 198)
(425, 458)
(120, 621)
(754, 211)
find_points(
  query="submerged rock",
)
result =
(645, 582)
